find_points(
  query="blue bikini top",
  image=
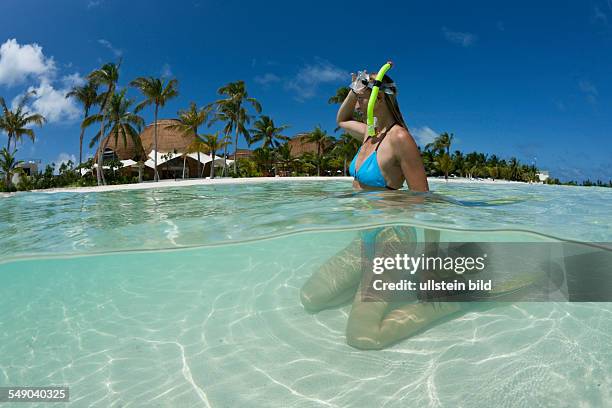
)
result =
(369, 172)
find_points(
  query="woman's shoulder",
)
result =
(401, 137)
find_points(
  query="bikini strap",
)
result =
(383, 136)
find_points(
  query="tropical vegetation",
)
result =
(116, 119)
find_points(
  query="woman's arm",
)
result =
(345, 119)
(409, 157)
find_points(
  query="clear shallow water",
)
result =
(72, 223)
(223, 325)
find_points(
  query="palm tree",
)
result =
(156, 92)
(233, 107)
(88, 96)
(321, 138)
(213, 144)
(224, 114)
(340, 96)
(441, 143)
(515, 169)
(15, 122)
(266, 131)
(493, 172)
(189, 121)
(346, 147)
(444, 164)
(196, 146)
(263, 157)
(107, 75)
(8, 165)
(118, 121)
(284, 155)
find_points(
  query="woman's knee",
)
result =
(311, 300)
(364, 340)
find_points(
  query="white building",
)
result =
(543, 175)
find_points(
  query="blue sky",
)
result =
(525, 79)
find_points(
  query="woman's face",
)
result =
(362, 102)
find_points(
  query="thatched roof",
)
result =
(124, 149)
(168, 139)
(299, 145)
(242, 153)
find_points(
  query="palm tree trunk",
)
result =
(184, 162)
(140, 166)
(99, 170)
(195, 137)
(318, 159)
(81, 138)
(225, 157)
(344, 170)
(156, 177)
(212, 166)
(235, 148)
(8, 143)
(81, 146)
(198, 169)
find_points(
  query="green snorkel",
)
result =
(371, 120)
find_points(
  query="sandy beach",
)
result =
(222, 181)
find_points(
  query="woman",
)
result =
(390, 157)
(384, 161)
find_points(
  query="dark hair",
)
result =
(391, 101)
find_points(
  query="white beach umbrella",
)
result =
(204, 158)
(161, 158)
(128, 162)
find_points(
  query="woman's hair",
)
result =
(392, 104)
(391, 100)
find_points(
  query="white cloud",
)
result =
(94, 3)
(589, 89)
(27, 63)
(64, 158)
(459, 38)
(166, 71)
(21, 62)
(71, 80)
(599, 15)
(107, 44)
(309, 77)
(51, 102)
(424, 135)
(267, 79)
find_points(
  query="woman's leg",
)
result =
(335, 282)
(372, 327)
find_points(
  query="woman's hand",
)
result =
(357, 84)
(345, 118)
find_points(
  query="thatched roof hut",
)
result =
(124, 149)
(168, 139)
(299, 145)
(242, 153)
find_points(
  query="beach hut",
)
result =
(299, 145)
(172, 145)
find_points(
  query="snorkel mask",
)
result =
(363, 81)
